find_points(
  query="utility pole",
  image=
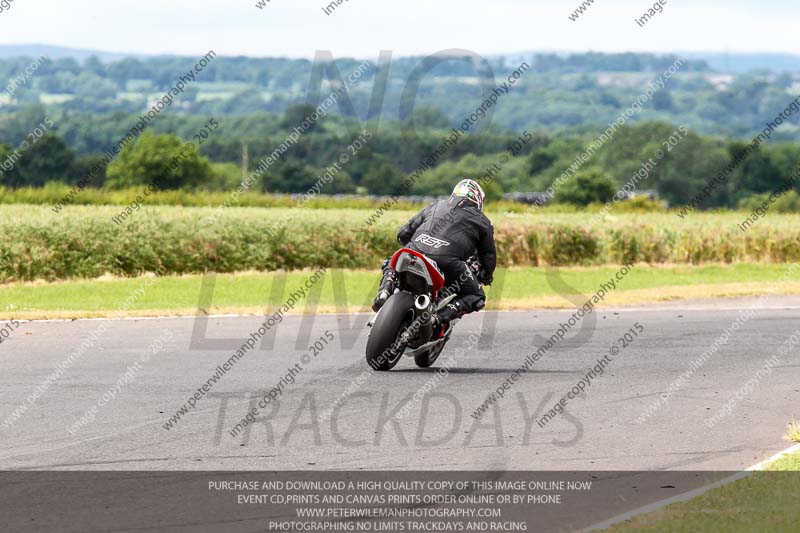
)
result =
(245, 161)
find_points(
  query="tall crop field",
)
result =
(83, 241)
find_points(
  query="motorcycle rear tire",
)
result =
(428, 357)
(394, 317)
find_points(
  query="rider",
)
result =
(449, 232)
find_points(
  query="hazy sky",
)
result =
(361, 28)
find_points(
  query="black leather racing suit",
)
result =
(449, 232)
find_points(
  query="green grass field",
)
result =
(37, 243)
(514, 288)
(767, 501)
(78, 262)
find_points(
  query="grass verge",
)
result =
(352, 290)
(793, 431)
(766, 500)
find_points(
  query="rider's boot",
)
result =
(386, 288)
(445, 315)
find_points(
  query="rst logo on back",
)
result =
(431, 241)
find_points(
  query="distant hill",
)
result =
(739, 63)
(735, 63)
(60, 52)
(555, 90)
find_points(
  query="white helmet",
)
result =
(471, 190)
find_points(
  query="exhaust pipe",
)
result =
(423, 306)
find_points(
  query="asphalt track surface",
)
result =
(599, 432)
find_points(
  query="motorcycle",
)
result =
(405, 323)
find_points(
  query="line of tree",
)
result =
(689, 160)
